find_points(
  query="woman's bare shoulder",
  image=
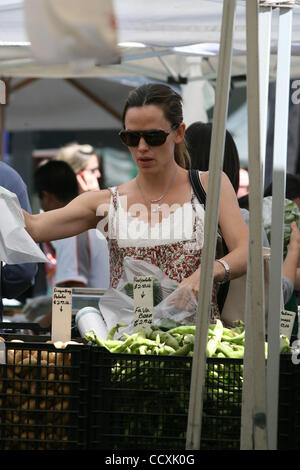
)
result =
(127, 188)
(204, 178)
(204, 175)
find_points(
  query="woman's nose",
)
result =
(143, 144)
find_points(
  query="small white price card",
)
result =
(287, 322)
(61, 314)
(143, 302)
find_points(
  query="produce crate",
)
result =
(289, 405)
(141, 402)
(43, 395)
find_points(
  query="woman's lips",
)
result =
(145, 161)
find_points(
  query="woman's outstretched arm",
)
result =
(76, 217)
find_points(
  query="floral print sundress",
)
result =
(174, 245)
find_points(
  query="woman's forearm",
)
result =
(45, 227)
(79, 215)
(237, 263)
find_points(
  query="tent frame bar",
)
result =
(210, 228)
(278, 196)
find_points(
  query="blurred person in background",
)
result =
(84, 161)
(292, 188)
(292, 192)
(15, 278)
(198, 139)
(244, 183)
(82, 260)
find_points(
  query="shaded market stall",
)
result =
(231, 39)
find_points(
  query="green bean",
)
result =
(183, 351)
(113, 331)
(166, 350)
(212, 343)
(143, 349)
(229, 352)
(239, 338)
(123, 346)
(169, 340)
(183, 329)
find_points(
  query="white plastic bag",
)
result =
(136, 267)
(117, 307)
(178, 304)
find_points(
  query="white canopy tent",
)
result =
(163, 38)
(176, 42)
(154, 39)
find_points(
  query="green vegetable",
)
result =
(184, 350)
(221, 342)
(291, 214)
(113, 331)
(284, 344)
(214, 341)
(183, 329)
(166, 338)
(128, 342)
(157, 291)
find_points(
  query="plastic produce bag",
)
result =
(117, 307)
(136, 267)
(178, 305)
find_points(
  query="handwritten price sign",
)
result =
(143, 301)
(61, 314)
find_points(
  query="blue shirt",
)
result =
(15, 278)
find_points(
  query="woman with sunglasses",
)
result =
(135, 214)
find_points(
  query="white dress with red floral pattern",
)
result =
(174, 245)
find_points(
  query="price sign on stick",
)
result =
(61, 314)
(143, 302)
(287, 322)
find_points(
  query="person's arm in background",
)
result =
(16, 279)
(297, 281)
(290, 270)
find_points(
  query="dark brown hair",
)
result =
(171, 104)
(198, 140)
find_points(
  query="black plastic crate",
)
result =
(289, 405)
(141, 402)
(43, 396)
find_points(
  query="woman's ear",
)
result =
(179, 133)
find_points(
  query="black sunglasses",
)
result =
(154, 137)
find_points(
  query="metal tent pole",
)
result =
(264, 31)
(278, 194)
(210, 228)
(253, 423)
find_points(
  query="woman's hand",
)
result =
(87, 181)
(191, 283)
(185, 296)
(294, 243)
